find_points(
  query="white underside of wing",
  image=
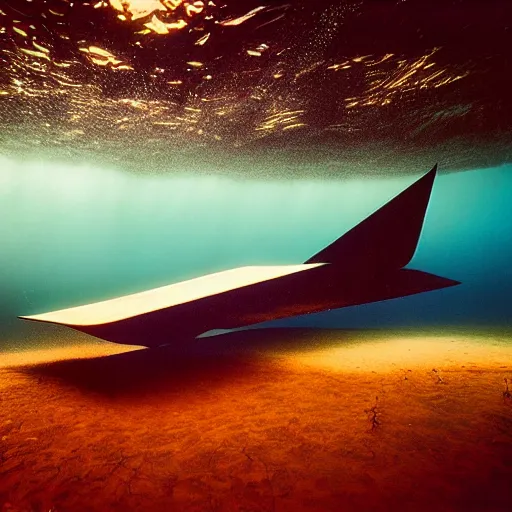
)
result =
(167, 296)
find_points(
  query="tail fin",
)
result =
(387, 239)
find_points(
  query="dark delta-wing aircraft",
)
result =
(364, 265)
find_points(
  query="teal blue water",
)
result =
(73, 235)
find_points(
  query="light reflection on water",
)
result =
(303, 84)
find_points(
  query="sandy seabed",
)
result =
(273, 420)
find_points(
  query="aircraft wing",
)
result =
(143, 303)
(364, 265)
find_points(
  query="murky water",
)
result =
(74, 235)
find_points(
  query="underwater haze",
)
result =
(148, 142)
(72, 235)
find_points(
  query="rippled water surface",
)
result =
(267, 88)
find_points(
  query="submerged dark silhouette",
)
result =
(364, 265)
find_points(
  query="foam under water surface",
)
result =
(291, 89)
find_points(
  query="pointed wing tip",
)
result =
(430, 175)
(35, 318)
(31, 318)
(426, 182)
(448, 282)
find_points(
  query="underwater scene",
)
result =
(255, 255)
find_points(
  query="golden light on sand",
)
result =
(49, 355)
(389, 352)
(339, 420)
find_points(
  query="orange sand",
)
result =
(277, 420)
